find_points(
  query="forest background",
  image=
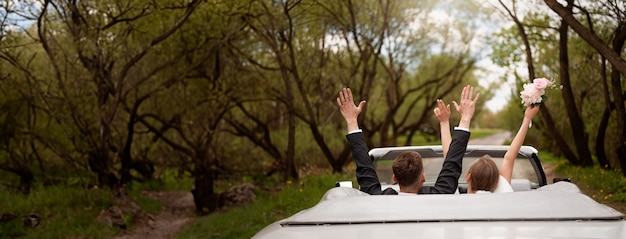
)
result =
(101, 94)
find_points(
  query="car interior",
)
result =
(525, 176)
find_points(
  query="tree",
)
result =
(98, 33)
(403, 70)
(95, 56)
(612, 55)
(190, 118)
(580, 66)
(545, 113)
(275, 28)
(18, 149)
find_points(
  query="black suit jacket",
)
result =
(446, 183)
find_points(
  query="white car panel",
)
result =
(555, 211)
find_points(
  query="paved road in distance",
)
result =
(494, 139)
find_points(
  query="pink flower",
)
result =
(531, 94)
(542, 83)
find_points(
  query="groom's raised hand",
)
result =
(467, 106)
(349, 110)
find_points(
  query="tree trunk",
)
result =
(341, 160)
(565, 149)
(98, 163)
(336, 163)
(618, 98)
(102, 157)
(290, 171)
(604, 121)
(26, 181)
(576, 122)
(290, 168)
(204, 196)
(125, 155)
(588, 36)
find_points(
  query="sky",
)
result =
(494, 73)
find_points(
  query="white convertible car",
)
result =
(535, 210)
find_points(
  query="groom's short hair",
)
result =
(408, 167)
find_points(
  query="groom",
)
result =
(408, 170)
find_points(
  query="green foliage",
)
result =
(419, 139)
(148, 205)
(507, 47)
(489, 120)
(245, 221)
(511, 116)
(480, 133)
(169, 179)
(85, 83)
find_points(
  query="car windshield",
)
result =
(432, 166)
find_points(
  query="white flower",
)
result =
(533, 93)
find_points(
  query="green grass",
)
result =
(168, 180)
(245, 221)
(69, 210)
(148, 205)
(599, 183)
(65, 212)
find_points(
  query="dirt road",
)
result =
(177, 211)
(494, 139)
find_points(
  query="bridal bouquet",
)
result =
(533, 93)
